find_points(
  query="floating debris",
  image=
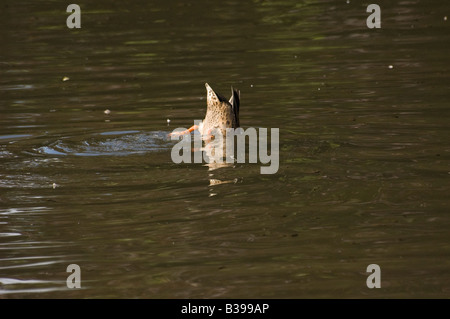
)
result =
(54, 185)
(168, 121)
(66, 78)
(391, 66)
(107, 112)
(445, 18)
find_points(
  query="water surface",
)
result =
(364, 150)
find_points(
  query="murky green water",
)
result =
(364, 150)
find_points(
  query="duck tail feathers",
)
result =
(235, 103)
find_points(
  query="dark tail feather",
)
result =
(235, 103)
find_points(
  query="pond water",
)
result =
(86, 175)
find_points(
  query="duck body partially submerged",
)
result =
(220, 113)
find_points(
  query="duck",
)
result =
(220, 114)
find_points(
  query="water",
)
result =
(364, 150)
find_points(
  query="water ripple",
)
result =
(128, 143)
